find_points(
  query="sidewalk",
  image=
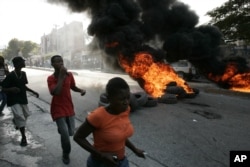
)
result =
(44, 149)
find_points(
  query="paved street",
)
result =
(43, 148)
(191, 133)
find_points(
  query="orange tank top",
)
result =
(111, 131)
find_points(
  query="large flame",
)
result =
(155, 75)
(235, 80)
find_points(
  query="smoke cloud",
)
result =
(165, 28)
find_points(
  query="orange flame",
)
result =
(236, 81)
(156, 75)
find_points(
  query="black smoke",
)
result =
(165, 28)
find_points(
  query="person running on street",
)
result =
(62, 110)
(14, 85)
(111, 129)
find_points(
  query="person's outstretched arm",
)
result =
(138, 152)
(76, 89)
(81, 135)
(32, 91)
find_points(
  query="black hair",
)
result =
(114, 85)
(18, 61)
(54, 57)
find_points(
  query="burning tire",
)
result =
(151, 102)
(192, 95)
(133, 103)
(168, 99)
(103, 98)
(176, 90)
(196, 91)
(173, 83)
(141, 98)
(100, 103)
(103, 101)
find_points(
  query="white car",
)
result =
(184, 69)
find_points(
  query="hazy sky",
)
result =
(30, 19)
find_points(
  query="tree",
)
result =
(12, 49)
(20, 48)
(233, 19)
(27, 48)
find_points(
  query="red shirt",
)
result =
(111, 130)
(61, 105)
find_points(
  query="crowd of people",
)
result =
(110, 125)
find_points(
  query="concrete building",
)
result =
(66, 41)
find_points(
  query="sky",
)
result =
(28, 20)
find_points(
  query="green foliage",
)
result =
(20, 48)
(27, 48)
(12, 49)
(233, 19)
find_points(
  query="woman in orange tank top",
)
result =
(111, 129)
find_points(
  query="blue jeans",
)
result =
(66, 128)
(3, 98)
(93, 162)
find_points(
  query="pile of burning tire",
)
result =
(137, 100)
(142, 99)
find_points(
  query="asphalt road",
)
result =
(194, 132)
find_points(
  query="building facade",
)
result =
(66, 41)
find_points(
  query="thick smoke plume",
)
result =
(165, 28)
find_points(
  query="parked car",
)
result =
(185, 69)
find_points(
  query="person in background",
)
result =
(62, 110)
(14, 85)
(4, 71)
(111, 129)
